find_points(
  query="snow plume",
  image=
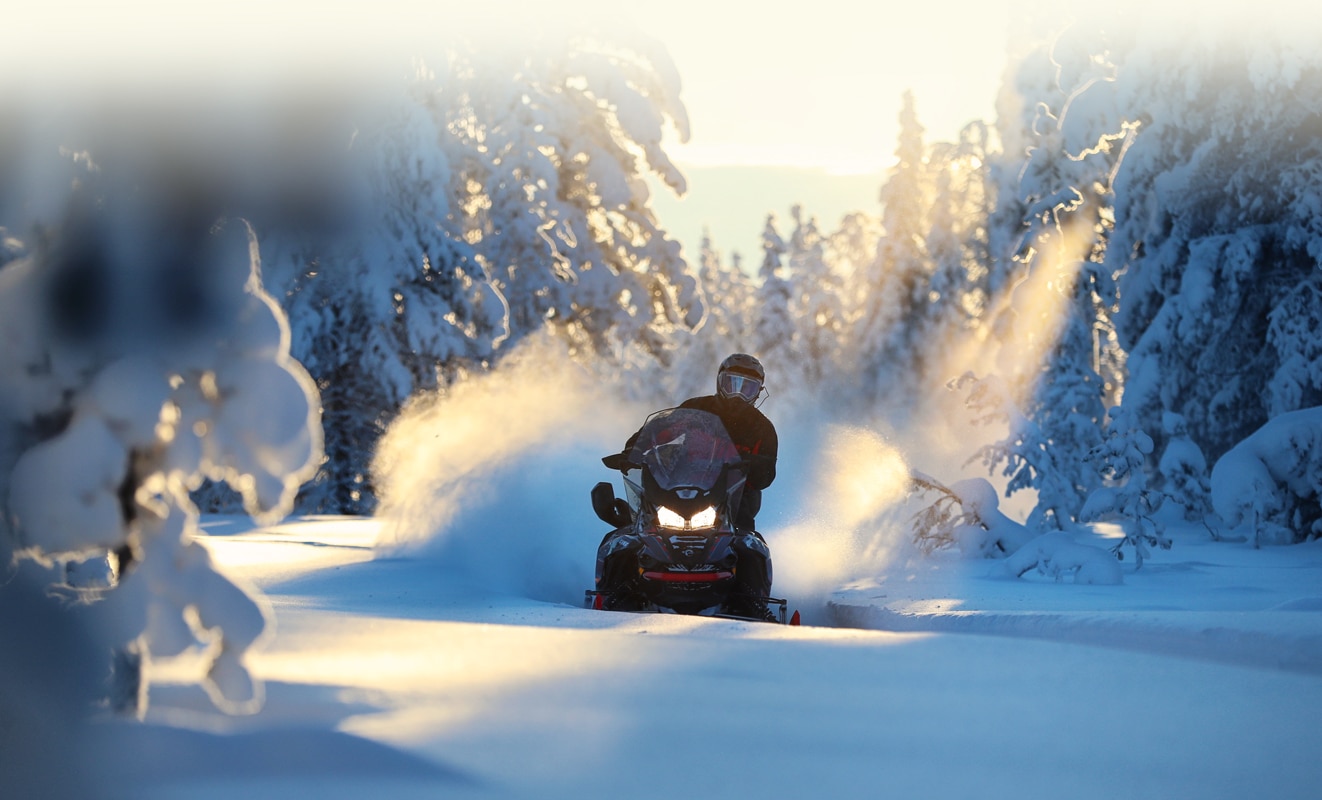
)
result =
(491, 476)
(854, 481)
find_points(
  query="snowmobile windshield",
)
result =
(684, 447)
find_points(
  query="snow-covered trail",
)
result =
(500, 695)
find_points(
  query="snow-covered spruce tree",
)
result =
(1268, 488)
(960, 250)
(958, 243)
(897, 282)
(850, 249)
(728, 292)
(1181, 474)
(1026, 456)
(550, 144)
(1126, 499)
(815, 302)
(1218, 234)
(493, 191)
(1292, 331)
(1058, 353)
(775, 338)
(141, 355)
(393, 300)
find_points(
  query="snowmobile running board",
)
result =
(593, 599)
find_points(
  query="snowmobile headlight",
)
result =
(704, 518)
(669, 519)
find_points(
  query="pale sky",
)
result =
(813, 84)
(819, 84)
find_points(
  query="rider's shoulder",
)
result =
(706, 402)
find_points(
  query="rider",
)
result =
(739, 386)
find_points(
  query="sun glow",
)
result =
(1022, 324)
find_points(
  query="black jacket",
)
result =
(752, 433)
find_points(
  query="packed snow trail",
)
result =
(506, 696)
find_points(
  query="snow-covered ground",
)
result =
(1200, 676)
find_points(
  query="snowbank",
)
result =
(1220, 601)
(1057, 555)
(126, 379)
(1267, 486)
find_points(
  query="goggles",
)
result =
(732, 384)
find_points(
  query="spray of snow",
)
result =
(490, 478)
(853, 482)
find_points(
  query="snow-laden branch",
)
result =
(1127, 499)
(126, 392)
(965, 515)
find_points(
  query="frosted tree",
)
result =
(897, 282)
(1027, 456)
(1058, 350)
(393, 299)
(1049, 375)
(727, 299)
(1266, 488)
(774, 333)
(816, 301)
(850, 249)
(960, 250)
(1126, 498)
(1292, 333)
(1182, 475)
(552, 142)
(1217, 227)
(141, 355)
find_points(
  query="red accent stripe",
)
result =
(688, 577)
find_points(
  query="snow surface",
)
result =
(416, 675)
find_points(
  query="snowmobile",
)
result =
(674, 546)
